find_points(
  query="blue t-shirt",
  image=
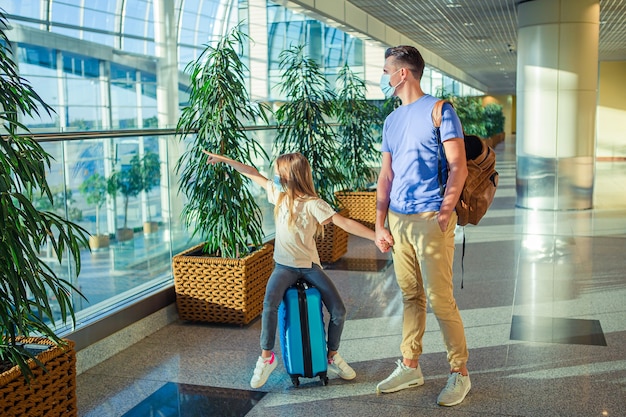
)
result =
(409, 135)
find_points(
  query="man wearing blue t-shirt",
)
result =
(422, 220)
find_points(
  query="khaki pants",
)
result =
(422, 259)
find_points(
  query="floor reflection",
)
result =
(557, 330)
(183, 400)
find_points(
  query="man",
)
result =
(422, 220)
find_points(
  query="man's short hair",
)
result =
(409, 57)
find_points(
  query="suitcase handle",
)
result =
(301, 283)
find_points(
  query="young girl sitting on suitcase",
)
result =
(299, 215)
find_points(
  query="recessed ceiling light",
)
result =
(453, 5)
(468, 24)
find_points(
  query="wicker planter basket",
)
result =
(361, 205)
(221, 290)
(334, 243)
(50, 394)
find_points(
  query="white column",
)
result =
(557, 78)
(374, 57)
(166, 48)
(259, 68)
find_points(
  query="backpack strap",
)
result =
(436, 116)
(437, 112)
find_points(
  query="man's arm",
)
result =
(457, 165)
(383, 190)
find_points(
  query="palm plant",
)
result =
(128, 182)
(471, 113)
(27, 283)
(220, 207)
(95, 190)
(359, 130)
(149, 168)
(494, 119)
(304, 120)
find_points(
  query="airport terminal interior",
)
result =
(539, 282)
(542, 303)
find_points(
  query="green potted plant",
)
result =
(222, 279)
(304, 125)
(360, 129)
(27, 282)
(126, 181)
(62, 203)
(472, 115)
(149, 167)
(94, 188)
(494, 123)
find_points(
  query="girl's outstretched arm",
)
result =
(246, 170)
(353, 227)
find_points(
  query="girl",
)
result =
(299, 215)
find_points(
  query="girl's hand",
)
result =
(212, 158)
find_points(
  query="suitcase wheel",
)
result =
(295, 381)
(324, 380)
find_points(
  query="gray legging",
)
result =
(285, 276)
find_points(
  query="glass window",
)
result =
(82, 92)
(67, 12)
(23, 8)
(80, 118)
(37, 55)
(131, 265)
(134, 27)
(102, 12)
(138, 26)
(137, 9)
(334, 43)
(38, 66)
(331, 48)
(186, 55)
(188, 36)
(426, 83)
(81, 66)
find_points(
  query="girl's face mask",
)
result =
(385, 85)
(277, 183)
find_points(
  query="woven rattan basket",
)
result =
(334, 243)
(221, 290)
(361, 205)
(51, 393)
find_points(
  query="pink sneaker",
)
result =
(262, 371)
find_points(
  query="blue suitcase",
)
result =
(302, 333)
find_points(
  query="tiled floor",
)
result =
(544, 306)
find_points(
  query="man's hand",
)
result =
(384, 240)
(443, 218)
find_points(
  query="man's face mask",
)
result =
(385, 85)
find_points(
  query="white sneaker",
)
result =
(455, 390)
(262, 371)
(341, 367)
(402, 377)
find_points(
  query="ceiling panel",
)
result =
(479, 36)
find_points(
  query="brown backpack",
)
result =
(482, 177)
